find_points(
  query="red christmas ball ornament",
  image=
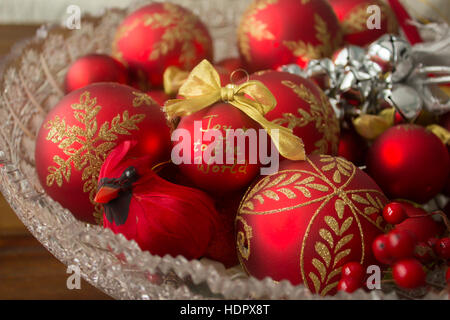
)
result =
(208, 175)
(160, 35)
(352, 146)
(222, 247)
(355, 17)
(273, 33)
(419, 223)
(94, 68)
(159, 96)
(409, 162)
(310, 218)
(303, 107)
(230, 64)
(408, 274)
(162, 217)
(445, 123)
(80, 131)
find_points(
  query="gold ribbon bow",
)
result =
(202, 89)
(173, 79)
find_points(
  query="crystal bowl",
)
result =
(31, 80)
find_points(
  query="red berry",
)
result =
(380, 251)
(353, 270)
(348, 285)
(442, 248)
(400, 244)
(408, 274)
(394, 213)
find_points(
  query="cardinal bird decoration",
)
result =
(162, 217)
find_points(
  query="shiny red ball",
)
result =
(409, 162)
(303, 107)
(409, 274)
(160, 35)
(380, 249)
(273, 33)
(394, 213)
(348, 285)
(353, 16)
(352, 146)
(82, 129)
(442, 248)
(400, 244)
(94, 68)
(354, 270)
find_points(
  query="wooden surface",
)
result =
(27, 269)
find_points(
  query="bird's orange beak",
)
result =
(106, 193)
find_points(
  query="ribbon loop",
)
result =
(202, 89)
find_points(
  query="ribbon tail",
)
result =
(289, 146)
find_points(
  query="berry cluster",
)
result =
(403, 250)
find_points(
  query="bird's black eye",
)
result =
(130, 172)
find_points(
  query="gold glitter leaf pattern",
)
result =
(282, 185)
(356, 21)
(307, 50)
(341, 166)
(254, 27)
(243, 238)
(321, 114)
(92, 145)
(338, 249)
(142, 99)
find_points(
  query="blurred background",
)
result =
(27, 269)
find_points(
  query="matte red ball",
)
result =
(160, 35)
(159, 96)
(94, 68)
(80, 131)
(442, 248)
(400, 244)
(409, 162)
(354, 270)
(380, 249)
(419, 223)
(296, 225)
(394, 213)
(273, 33)
(408, 274)
(231, 64)
(213, 177)
(303, 107)
(353, 17)
(352, 146)
(445, 123)
(348, 285)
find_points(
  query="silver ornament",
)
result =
(404, 99)
(394, 55)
